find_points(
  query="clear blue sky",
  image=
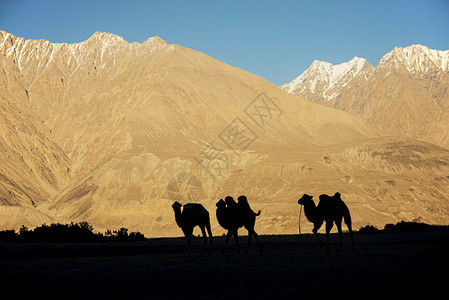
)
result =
(277, 40)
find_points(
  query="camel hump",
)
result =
(230, 202)
(324, 197)
(336, 196)
(221, 202)
(245, 207)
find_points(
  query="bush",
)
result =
(410, 227)
(73, 232)
(136, 236)
(368, 229)
(68, 233)
(403, 226)
(122, 235)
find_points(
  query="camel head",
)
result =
(221, 204)
(305, 199)
(177, 206)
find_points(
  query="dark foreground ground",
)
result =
(384, 266)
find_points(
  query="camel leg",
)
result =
(315, 232)
(329, 226)
(340, 233)
(210, 238)
(203, 230)
(236, 238)
(348, 221)
(252, 232)
(188, 234)
(250, 237)
(228, 236)
(351, 235)
(258, 242)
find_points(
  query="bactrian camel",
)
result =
(330, 209)
(193, 214)
(231, 216)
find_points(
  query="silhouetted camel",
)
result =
(249, 217)
(226, 219)
(329, 210)
(232, 216)
(193, 214)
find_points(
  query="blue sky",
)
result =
(277, 40)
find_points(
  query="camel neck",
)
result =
(310, 211)
(178, 217)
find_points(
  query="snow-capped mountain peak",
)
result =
(325, 79)
(416, 58)
(100, 50)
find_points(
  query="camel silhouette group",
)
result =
(230, 215)
(233, 215)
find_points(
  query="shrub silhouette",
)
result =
(403, 226)
(368, 229)
(81, 232)
(73, 232)
(121, 235)
(136, 236)
(414, 227)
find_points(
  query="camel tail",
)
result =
(258, 213)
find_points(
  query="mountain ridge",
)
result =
(405, 95)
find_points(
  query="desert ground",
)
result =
(390, 266)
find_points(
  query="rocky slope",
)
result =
(135, 127)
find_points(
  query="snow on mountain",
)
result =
(417, 59)
(323, 80)
(101, 47)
